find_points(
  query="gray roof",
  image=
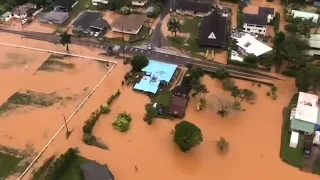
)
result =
(194, 6)
(87, 19)
(94, 171)
(150, 9)
(23, 8)
(131, 22)
(259, 19)
(55, 17)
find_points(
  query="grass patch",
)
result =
(40, 173)
(163, 97)
(28, 98)
(292, 156)
(8, 164)
(55, 63)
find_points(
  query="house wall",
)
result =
(126, 31)
(23, 16)
(7, 18)
(191, 13)
(95, 2)
(252, 28)
(139, 3)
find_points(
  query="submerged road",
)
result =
(161, 54)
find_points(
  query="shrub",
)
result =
(222, 145)
(290, 72)
(276, 22)
(248, 65)
(220, 73)
(105, 109)
(251, 59)
(236, 106)
(90, 122)
(125, 10)
(228, 84)
(122, 122)
(249, 95)
(139, 62)
(187, 135)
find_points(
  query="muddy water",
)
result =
(254, 135)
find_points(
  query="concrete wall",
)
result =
(251, 28)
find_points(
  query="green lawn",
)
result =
(71, 173)
(163, 97)
(8, 164)
(292, 156)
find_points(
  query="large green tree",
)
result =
(174, 26)
(187, 135)
(65, 39)
(139, 62)
(308, 79)
(299, 26)
(294, 49)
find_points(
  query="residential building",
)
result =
(214, 29)
(314, 42)
(257, 22)
(306, 116)
(130, 24)
(96, 2)
(139, 2)
(305, 15)
(89, 22)
(6, 16)
(64, 5)
(94, 171)
(180, 98)
(248, 44)
(54, 17)
(193, 8)
(25, 10)
(316, 3)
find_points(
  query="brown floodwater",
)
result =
(253, 134)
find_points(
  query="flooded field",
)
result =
(253, 134)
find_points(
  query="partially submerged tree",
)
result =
(222, 145)
(139, 62)
(308, 79)
(174, 26)
(65, 39)
(187, 135)
(251, 58)
(224, 109)
(220, 73)
(228, 84)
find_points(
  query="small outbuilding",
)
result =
(6, 16)
(294, 140)
(54, 17)
(94, 171)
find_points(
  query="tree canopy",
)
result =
(139, 62)
(65, 39)
(174, 26)
(187, 135)
(251, 58)
(299, 26)
(308, 78)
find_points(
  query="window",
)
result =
(259, 26)
(259, 30)
(248, 29)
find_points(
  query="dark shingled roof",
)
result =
(65, 3)
(213, 30)
(89, 19)
(194, 6)
(178, 106)
(260, 18)
(95, 171)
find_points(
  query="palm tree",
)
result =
(65, 40)
(174, 26)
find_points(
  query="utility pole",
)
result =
(122, 44)
(65, 122)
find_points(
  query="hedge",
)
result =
(248, 65)
(290, 72)
(276, 22)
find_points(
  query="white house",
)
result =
(193, 8)
(305, 15)
(258, 23)
(248, 44)
(6, 16)
(96, 2)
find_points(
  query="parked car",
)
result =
(307, 149)
(96, 34)
(149, 46)
(316, 138)
(23, 21)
